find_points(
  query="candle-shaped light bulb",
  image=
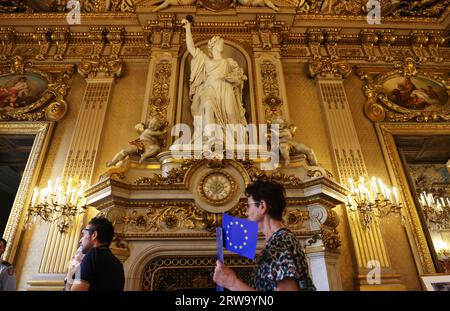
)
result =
(394, 190)
(56, 184)
(35, 195)
(374, 185)
(69, 184)
(352, 187)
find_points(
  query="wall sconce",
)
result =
(372, 199)
(57, 203)
(436, 211)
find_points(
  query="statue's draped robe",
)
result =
(216, 90)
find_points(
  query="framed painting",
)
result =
(406, 94)
(31, 94)
(436, 282)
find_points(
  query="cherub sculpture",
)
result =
(288, 145)
(147, 145)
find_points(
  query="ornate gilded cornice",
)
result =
(103, 67)
(328, 68)
(36, 6)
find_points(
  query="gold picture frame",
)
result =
(435, 282)
(42, 132)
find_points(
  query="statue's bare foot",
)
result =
(109, 163)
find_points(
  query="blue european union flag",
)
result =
(240, 235)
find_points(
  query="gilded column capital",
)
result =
(330, 69)
(103, 67)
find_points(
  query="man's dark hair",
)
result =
(272, 193)
(3, 241)
(104, 228)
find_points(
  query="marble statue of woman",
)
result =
(216, 84)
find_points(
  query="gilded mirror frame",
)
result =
(42, 132)
(417, 235)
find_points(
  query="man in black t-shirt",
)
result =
(100, 270)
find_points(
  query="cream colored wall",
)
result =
(305, 112)
(123, 113)
(32, 245)
(394, 234)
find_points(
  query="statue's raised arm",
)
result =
(189, 40)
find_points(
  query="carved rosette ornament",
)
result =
(406, 94)
(33, 94)
(328, 68)
(103, 67)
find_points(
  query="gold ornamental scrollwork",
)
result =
(290, 181)
(328, 232)
(160, 92)
(295, 218)
(271, 89)
(328, 68)
(174, 176)
(104, 67)
(30, 94)
(405, 94)
(330, 237)
(170, 217)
